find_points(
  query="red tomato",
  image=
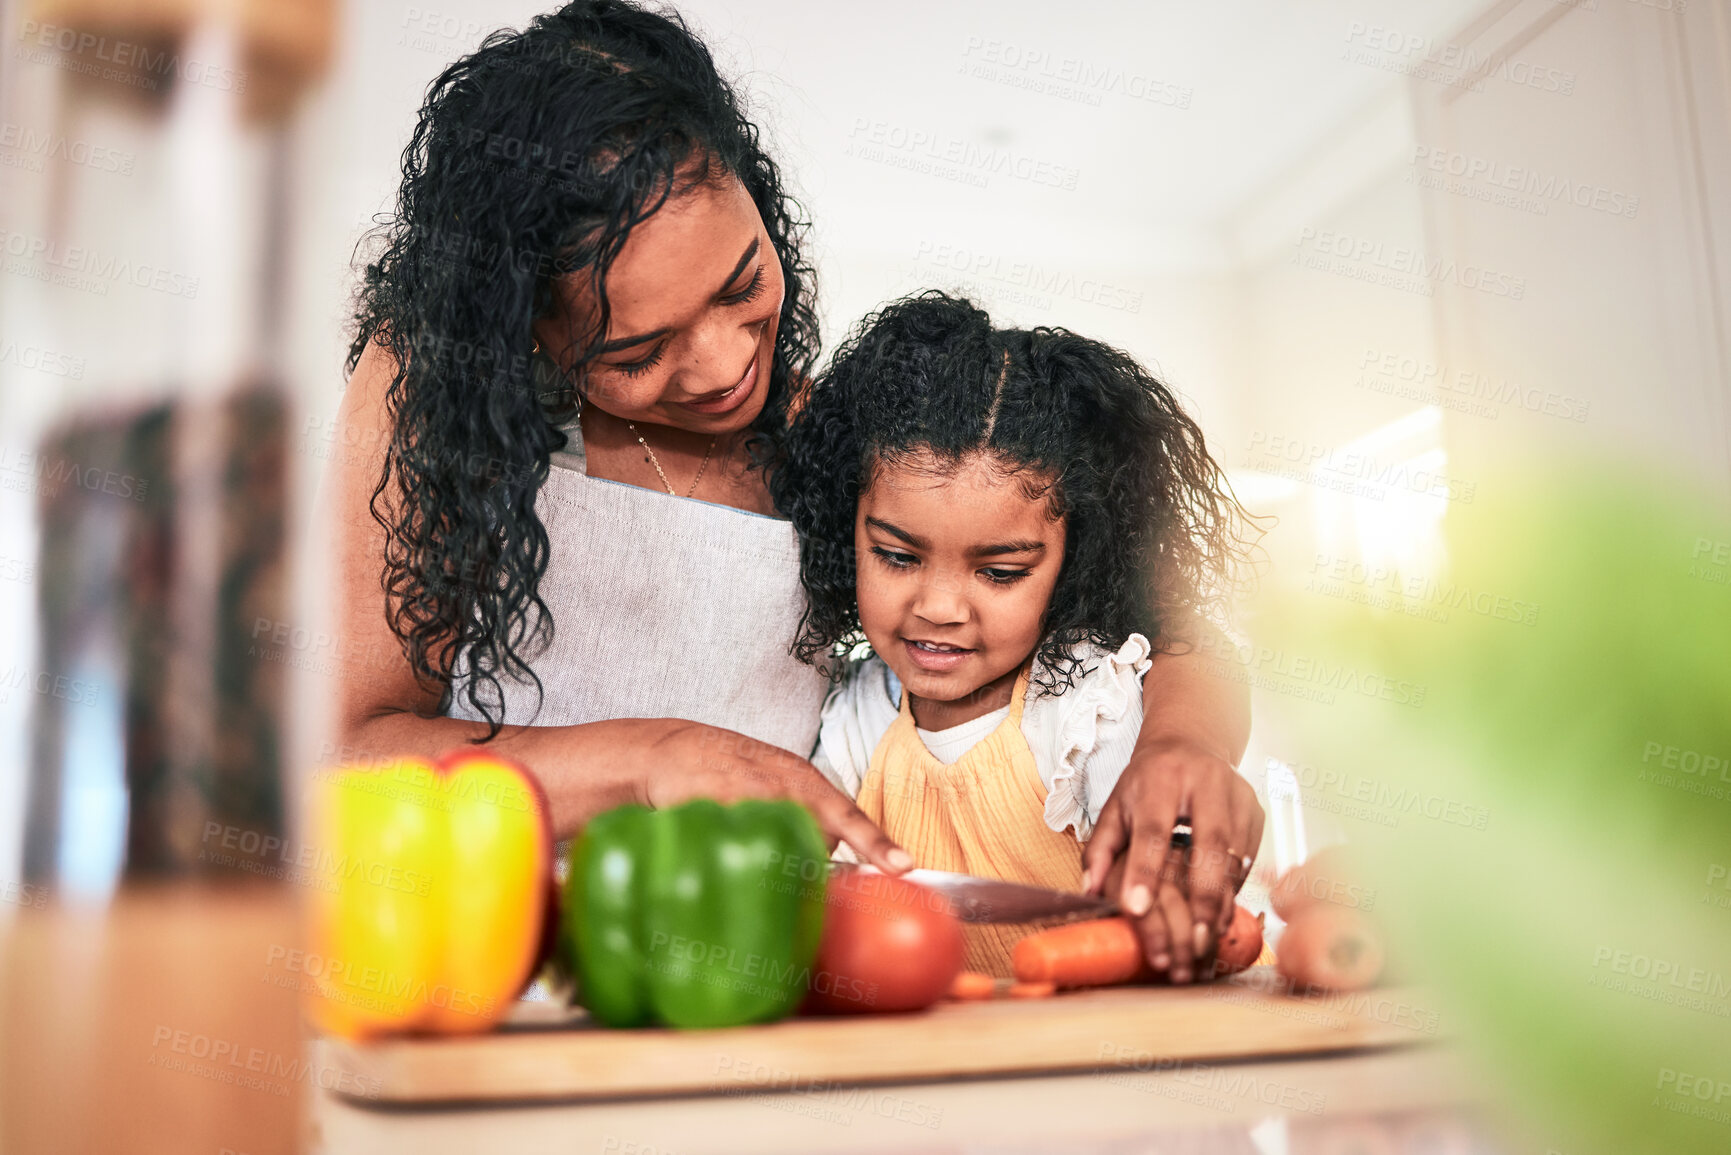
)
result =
(887, 945)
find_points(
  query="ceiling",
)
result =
(853, 95)
(944, 84)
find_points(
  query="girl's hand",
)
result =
(1183, 901)
(693, 760)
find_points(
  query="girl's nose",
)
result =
(939, 601)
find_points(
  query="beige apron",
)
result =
(665, 607)
(983, 814)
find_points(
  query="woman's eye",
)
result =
(633, 368)
(894, 558)
(747, 294)
(1004, 577)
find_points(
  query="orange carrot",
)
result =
(1241, 945)
(1082, 954)
(1032, 990)
(1331, 875)
(1330, 948)
(973, 985)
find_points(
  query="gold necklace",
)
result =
(656, 462)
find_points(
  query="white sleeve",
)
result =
(1083, 738)
(855, 717)
(820, 759)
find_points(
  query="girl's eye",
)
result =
(634, 368)
(895, 558)
(1004, 577)
(749, 293)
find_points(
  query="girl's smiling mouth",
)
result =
(936, 657)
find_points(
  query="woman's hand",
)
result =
(694, 760)
(1195, 725)
(1183, 900)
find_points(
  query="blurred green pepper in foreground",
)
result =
(1580, 940)
(700, 915)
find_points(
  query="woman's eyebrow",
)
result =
(620, 343)
(626, 342)
(745, 259)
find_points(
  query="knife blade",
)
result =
(988, 900)
(992, 900)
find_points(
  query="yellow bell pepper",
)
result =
(428, 917)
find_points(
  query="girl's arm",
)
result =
(383, 712)
(1195, 726)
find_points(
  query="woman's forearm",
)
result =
(585, 769)
(1186, 698)
(593, 767)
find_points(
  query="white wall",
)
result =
(1478, 268)
(1627, 308)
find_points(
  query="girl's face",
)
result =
(695, 295)
(953, 575)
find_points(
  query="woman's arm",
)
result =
(383, 712)
(1195, 726)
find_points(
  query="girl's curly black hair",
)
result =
(532, 160)
(1153, 538)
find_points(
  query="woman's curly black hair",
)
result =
(1153, 537)
(532, 160)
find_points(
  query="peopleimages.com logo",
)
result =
(134, 63)
(1448, 63)
(1366, 257)
(88, 269)
(1544, 187)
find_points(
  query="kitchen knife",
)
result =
(974, 899)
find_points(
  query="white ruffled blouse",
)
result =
(1081, 738)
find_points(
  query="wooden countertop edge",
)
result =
(1116, 1029)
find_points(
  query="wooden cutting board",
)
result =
(564, 1056)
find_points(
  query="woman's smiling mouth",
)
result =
(728, 399)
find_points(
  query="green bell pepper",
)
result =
(701, 915)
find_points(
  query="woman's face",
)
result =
(695, 296)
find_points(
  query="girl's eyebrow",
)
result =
(619, 343)
(1009, 547)
(918, 542)
(912, 539)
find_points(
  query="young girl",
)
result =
(1007, 517)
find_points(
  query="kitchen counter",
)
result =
(1354, 1104)
(168, 1022)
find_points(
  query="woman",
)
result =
(577, 351)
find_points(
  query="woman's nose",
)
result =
(717, 356)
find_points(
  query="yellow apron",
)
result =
(983, 814)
